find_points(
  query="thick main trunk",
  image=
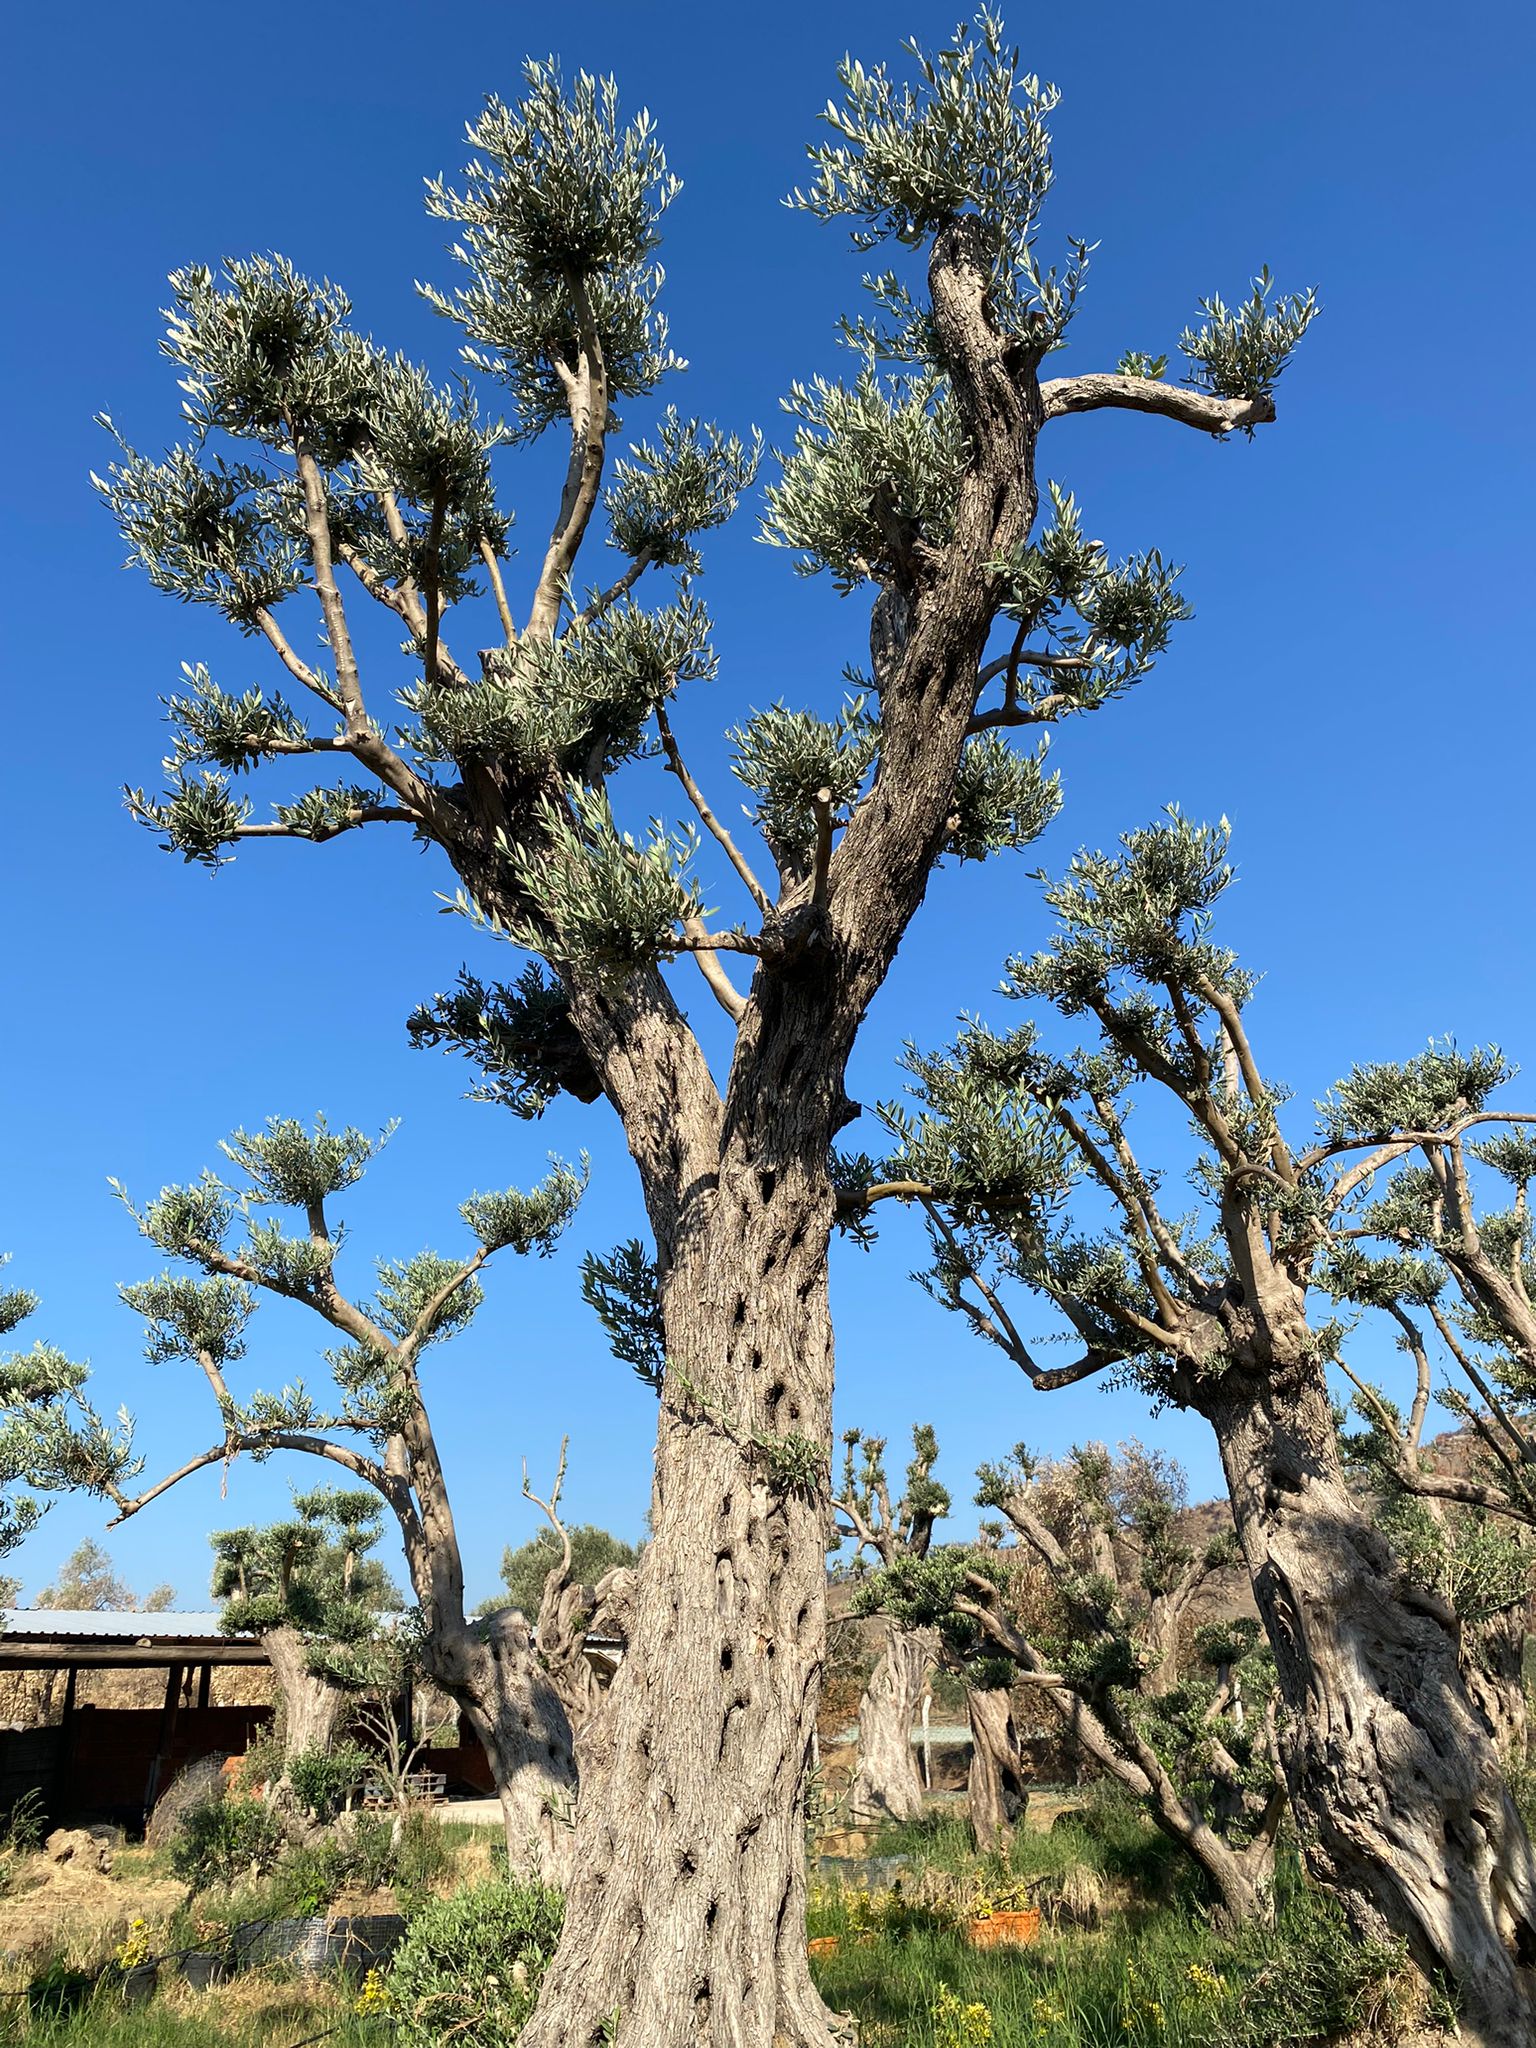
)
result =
(997, 1791)
(1493, 1665)
(888, 1782)
(685, 1916)
(1395, 1781)
(515, 1712)
(313, 1705)
(685, 1913)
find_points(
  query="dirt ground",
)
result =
(84, 1911)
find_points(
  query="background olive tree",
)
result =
(377, 1427)
(1019, 1146)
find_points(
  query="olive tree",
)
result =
(1068, 1617)
(888, 1780)
(320, 468)
(45, 1420)
(1394, 1776)
(377, 1428)
(309, 1590)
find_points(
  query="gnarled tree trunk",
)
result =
(1395, 1781)
(507, 1698)
(686, 1908)
(685, 1914)
(1493, 1665)
(313, 1705)
(1241, 1880)
(888, 1781)
(997, 1791)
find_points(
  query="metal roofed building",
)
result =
(89, 1637)
(110, 1759)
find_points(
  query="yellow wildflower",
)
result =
(374, 1996)
(1206, 1981)
(957, 2024)
(134, 1947)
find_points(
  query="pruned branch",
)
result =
(1100, 390)
(551, 1507)
(821, 805)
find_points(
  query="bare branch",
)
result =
(299, 670)
(707, 817)
(1092, 393)
(404, 609)
(504, 610)
(551, 1507)
(587, 397)
(1029, 657)
(821, 804)
(721, 987)
(615, 590)
(695, 939)
(367, 814)
(261, 1440)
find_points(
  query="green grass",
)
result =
(1156, 1976)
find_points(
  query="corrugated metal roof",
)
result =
(108, 1622)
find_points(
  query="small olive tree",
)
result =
(44, 1421)
(1080, 1611)
(379, 1427)
(309, 1589)
(321, 468)
(888, 1780)
(1395, 1778)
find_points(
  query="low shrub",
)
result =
(469, 1968)
(223, 1840)
(323, 1780)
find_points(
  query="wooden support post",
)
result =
(204, 1684)
(162, 1754)
(64, 1761)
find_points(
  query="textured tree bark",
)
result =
(686, 1909)
(313, 1705)
(515, 1712)
(888, 1781)
(1395, 1781)
(1493, 1665)
(997, 1791)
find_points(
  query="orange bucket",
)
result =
(1006, 1930)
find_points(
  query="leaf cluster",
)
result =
(557, 232)
(870, 477)
(519, 1034)
(623, 1291)
(787, 758)
(969, 137)
(1241, 353)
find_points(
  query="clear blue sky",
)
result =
(1354, 691)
